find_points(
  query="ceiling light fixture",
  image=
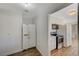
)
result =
(27, 4)
(72, 12)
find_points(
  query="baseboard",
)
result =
(28, 48)
(40, 51)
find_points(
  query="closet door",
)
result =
(25, 36)
(29, 36)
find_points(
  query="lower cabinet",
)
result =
(52, 42)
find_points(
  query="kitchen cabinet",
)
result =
(52, 42)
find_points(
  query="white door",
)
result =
(25, 36)
(32, 35)
(29, 39)
(69, 34)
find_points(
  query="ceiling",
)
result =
(34, 8)
(64, 14)
(50, 7)
(11, 6)
(53, 7)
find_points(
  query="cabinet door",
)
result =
(53, 42)
(50, 44)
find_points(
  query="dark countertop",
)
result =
(57, 35)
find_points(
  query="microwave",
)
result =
(55, 26)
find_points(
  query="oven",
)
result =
(59, 41)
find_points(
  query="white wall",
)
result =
(10, 31)
(27, 20)
(61, 30)
(28, 17)
(74, 31)
(42, 31)
(55, 20)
